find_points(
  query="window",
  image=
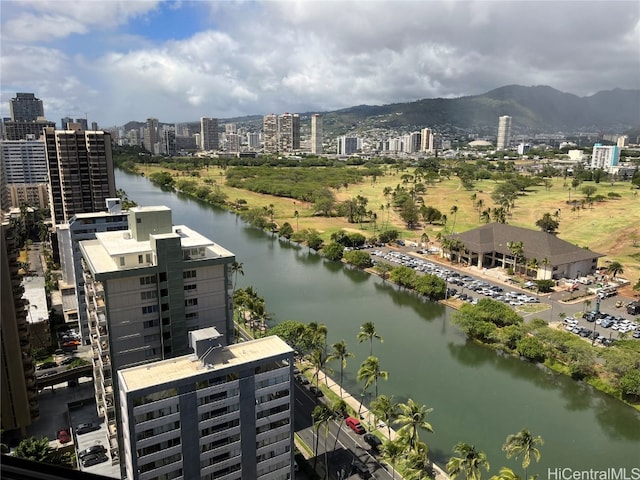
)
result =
(192, 286)
(191, 302)
(148, 295)
(148, 280)
(151, 323)
(122, 261)
(138, 220)
(140, 258)
(163, 276)
(149, 309)
(189, 274)
(192, 315)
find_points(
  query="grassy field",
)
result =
(611, 227)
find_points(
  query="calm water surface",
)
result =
(478, 396)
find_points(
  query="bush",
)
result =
(531, 348)
(358, 259)
(333, 251)
(545, 286)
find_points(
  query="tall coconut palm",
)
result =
(454, 212)
(525, 444)
(318, 359)
(321, 416)
(236, 268)
(392, 451)
(385, 409)
(418, 465)
(411, 418)
(368, 332)
(615, 268)
(369, 373)
(470, 462)
(517, 250)
(506, 473)
(339, 352)
(339, 409)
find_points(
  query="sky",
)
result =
(115, 61)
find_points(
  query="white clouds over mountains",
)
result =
(178, 61)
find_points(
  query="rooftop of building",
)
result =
(174, 369)
(104, 251)
(36, 295)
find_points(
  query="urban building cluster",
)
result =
(152, 303)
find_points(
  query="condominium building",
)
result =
(219, 413)
(233, 142)
(25, 107)
(145, 288)
(22, 130)
(504, 132)
(316, 134)
(80, 166)
(605, 157)
(270, 133)
(151, 137)
(253, 140)
(427, 140)
(289, 133)
(347, 145)
(24, 164)
(84, 226)
(209, 134)
(18, 392)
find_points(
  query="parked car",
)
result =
(83, 428)
(93, 450)
(63, 435)
(67, 361)
(355, 425)
(361, 469)
(94, 459)
(45, 365)
(316, 391)
(373, 441)
(302, 380)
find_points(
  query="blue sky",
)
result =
(177, 61)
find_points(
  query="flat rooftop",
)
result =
(167, 371)
(104, 251)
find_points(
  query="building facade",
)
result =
(209, 134)
(504, 132)
(151, 137)
(605, 157)
(270, 133)
(289, 133)
(317, 134)
(347, 145)
(25, 172)
(80, 168)
(219, 413)
(25, 107)
(145, 288)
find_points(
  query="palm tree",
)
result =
(587, 305)
(615, 268)
(516, 249)
(368, 332)
(318, 360)
(454, 212)
(236, 268)
(412, 417)
(505, 474)
(369, 372)
(485, 216)
(418, 465)
(339, 352)
(385, 409)
(296, 214)
(469, 462)
(525, 444)
(321, 415)
(392, 452)
(338, 408)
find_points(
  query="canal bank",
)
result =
(478, 397)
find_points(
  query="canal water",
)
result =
(477, 396)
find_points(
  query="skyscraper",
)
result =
(80, 166)
(209, 133)
(316, 134)
(504, 132)
(145, 288)
(24, 165)
(25, 107)
(289, 133)
(220, 412)
(270, 132)
(426, 140)
(151, 136)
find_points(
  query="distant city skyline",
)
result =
(179, 61)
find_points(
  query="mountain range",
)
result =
(533, 109)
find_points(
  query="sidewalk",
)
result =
(367, 417)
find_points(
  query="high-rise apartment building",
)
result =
(80, 166)
(233, 142)
(64, 121)
(18, 392)
(25, 107)
(316, 134)
(427, 140)
(221, 412)
(270, 132)
(84, 226)
(230, 128)
(145, 288)
(347, 145)
(605, 157)
(26, 179)
(253, 140)
(289, 133)
(504, 132)
(209, 133)
(151, 137)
